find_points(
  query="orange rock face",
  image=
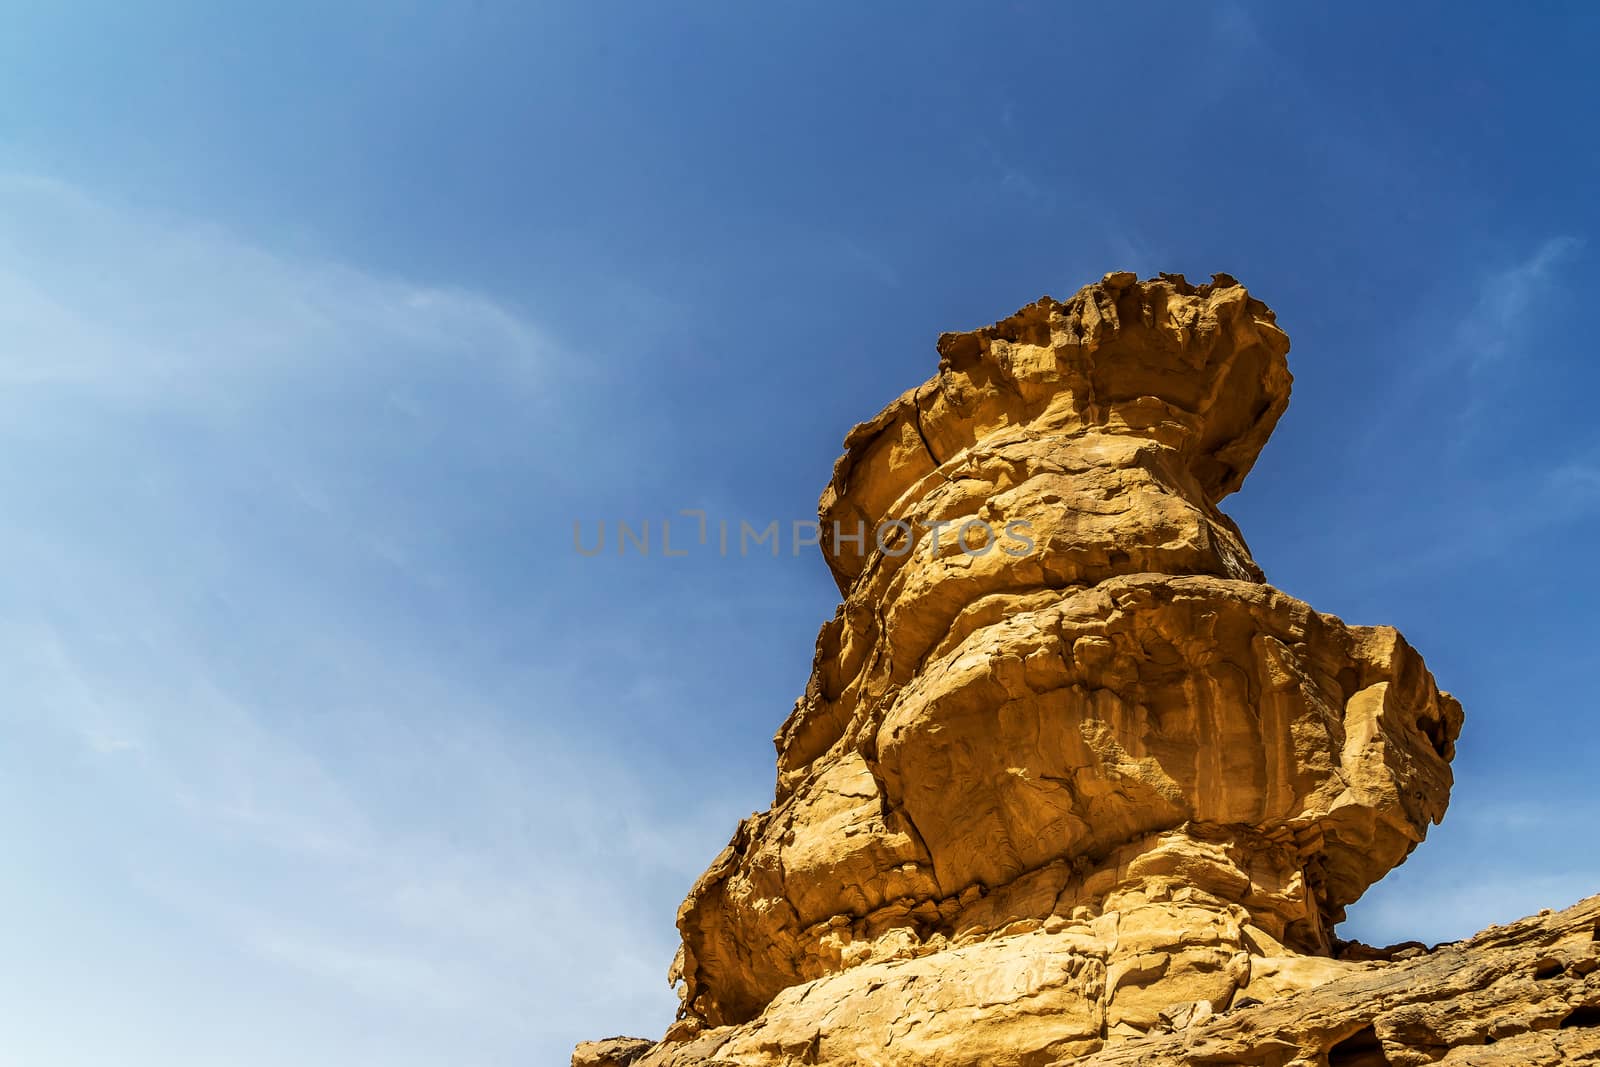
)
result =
(1067, 771)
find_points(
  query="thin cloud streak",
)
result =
(1491, 331)
(167, 311)
(316, 784)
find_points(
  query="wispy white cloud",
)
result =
(169, 311)
(1496, 325)
(207, 523)
(1459, 382)
(1452, 358)
(1577, 480)
(867, 261)
(1564, 493)
(1498, 336)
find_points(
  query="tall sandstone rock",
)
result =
(1068, 775)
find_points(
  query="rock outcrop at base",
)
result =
(1068, 773)
(1522, 995)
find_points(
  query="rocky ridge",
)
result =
(1068, 774)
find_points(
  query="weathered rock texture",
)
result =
(1099, 781)
(1523, 995)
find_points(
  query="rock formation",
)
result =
(1068, 773)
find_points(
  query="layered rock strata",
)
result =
(1522, 995)
(1065, 764)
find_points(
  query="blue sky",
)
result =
(320, 326)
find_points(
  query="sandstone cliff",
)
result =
(1068, 773)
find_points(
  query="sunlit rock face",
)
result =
(1066, 765)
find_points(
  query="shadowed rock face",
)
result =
(1038, 794)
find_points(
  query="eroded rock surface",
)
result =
(1522, 995)
(1067, 772)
